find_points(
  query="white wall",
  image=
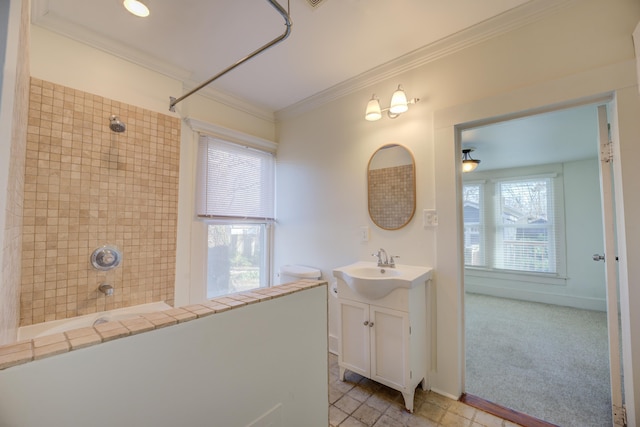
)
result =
(14, 99)
(227, 369)
(583, 50)
(626, 177)
(323, 153)
(583, 284)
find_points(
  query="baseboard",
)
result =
(333, 344)
(583, 303)
(444, 393)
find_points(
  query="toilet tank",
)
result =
(292, 273)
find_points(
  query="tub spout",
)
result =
(106, 288)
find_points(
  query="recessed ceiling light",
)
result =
(136, 7)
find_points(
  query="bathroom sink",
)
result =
(373, 282)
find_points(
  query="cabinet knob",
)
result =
(366, 322)
(371, 324)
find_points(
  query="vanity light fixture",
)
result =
(399, 105)
(468, 164)
(136, 7)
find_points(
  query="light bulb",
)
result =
(136, 7)
(469, 165)
(398, 102)
(373, 112)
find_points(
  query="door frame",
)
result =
(606, 167)
(447, 372)
(605, 160)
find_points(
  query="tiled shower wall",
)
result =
(87, 186)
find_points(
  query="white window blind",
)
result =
(234, 182)
(525, 227)
(514, 224)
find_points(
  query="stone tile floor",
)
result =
(360, 402)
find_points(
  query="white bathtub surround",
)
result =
(63, 325)
(247, 358)
(49, 343)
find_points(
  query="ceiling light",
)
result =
(468, 164)
(399, 105)
(398, 102)
(136, 7)
(373, 112)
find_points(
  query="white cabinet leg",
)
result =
(341, 375)
(408, 401)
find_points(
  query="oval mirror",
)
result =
(391, 183)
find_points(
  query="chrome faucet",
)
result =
(106, 288)
(384, 260)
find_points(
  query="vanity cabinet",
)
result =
(385, 339)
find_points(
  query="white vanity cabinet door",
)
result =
(389, 346)
(354, 344)
(385, 340)
(374, 343)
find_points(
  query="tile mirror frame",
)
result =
(391, 186)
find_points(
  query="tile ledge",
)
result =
(25, 351)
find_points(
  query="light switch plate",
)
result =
(429, 218)
(364, 234)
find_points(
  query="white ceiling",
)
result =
(331, 46)
(194, 40)
(554, 137)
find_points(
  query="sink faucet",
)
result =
(384, 260)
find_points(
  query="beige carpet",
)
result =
(547, 361)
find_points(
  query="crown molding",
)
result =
(490, 28)
(501, 24)
(42, 16)
(232, 101)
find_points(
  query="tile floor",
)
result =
(360, 402)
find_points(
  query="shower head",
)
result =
(116, 125)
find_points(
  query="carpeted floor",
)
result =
(547, 361)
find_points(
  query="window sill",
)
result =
(541, 278)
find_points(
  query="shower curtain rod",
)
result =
(287, 21)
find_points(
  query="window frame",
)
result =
(193, 268)
(489, 180)
(267, 242)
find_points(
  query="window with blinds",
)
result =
(234, 182)
(514, 224)
(235, 196)
(525, 232)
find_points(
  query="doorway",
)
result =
(535, 302)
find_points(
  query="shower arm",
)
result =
(287, 21)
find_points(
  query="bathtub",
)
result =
(62, 325)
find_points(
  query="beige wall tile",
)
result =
(86, 186)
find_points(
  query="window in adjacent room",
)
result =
(525, 228)
(473, 202)
(514, 224)
(235, 196)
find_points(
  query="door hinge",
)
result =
(606, 152)
(410, 374)
(409, 330)
(619, 416)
